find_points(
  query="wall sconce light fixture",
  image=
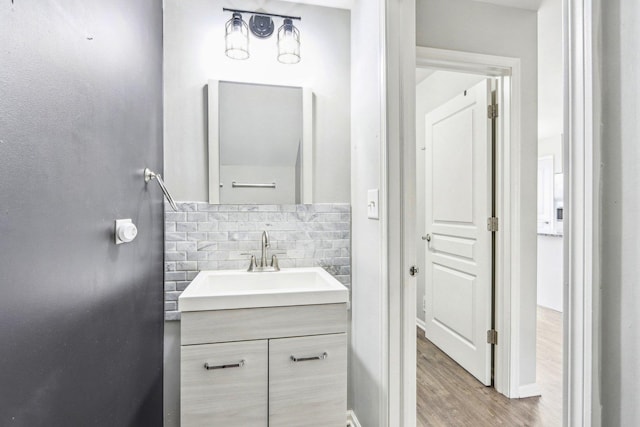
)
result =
(236, 38)
(288, 43)
(261, 26)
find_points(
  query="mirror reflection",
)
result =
(258, 137)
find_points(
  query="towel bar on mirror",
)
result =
(243, 185)
(149, 175)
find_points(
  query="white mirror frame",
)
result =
(214, 141)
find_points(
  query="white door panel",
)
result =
(452, 314)
(452, 155)
(458, 203)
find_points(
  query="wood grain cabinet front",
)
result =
(225, 384)
(273, 366)
(308, 381)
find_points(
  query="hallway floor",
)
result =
(448, 396)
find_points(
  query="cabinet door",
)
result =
(308, 381)
(224, 384)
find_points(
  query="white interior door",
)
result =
(458, 254)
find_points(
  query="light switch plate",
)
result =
(373, 211)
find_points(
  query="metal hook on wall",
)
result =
(149, 175)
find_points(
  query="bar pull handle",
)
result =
(208, 367)
(307, 359)
(247, 185)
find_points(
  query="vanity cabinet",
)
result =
(275, 366)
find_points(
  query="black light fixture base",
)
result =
(274, 15)
(261, 26)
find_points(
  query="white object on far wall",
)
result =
(545, 194)
(373, 199)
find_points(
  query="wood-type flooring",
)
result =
(448, 396)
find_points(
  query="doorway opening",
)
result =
(580, 98)
(463, 131)
(455, 200)
(456, 115)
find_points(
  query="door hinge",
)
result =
(492, 337)
(492, 224)
(492, 111)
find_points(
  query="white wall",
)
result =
(194, 53)
(471, 26)
(550, 79)
(432, 92)
(550, 273)
(620, 234)
(368, 286)
(552, 146)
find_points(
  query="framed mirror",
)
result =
(260, 143)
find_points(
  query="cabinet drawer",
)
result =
(312, 391)
(199, 327)
(232, 391)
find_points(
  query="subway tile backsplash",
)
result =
(201, 236)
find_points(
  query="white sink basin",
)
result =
(224, 290)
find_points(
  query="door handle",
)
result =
(427, 237)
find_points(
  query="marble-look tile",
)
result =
(197, 256)
(186, 226)
(186, 246)
(171, 315)
(175, 216)
(208, 226)
(197, 216)
(175, 256)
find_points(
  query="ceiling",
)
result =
(520, 4)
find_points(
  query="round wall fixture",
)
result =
(261, 26)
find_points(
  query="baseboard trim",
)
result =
(352, 420)
(420, 323)
(529, 390)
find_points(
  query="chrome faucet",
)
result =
(265, 245)
(263, 266)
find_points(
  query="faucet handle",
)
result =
(274, 263)
(252, 262)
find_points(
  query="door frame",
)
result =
(582, 102)
(581, 252)
(507, 253)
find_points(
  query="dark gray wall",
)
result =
(80, 116)
(620, 358)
